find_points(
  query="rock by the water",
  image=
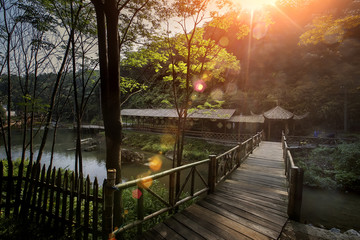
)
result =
(169, 154)
(296, 231)
(352, 232)
(90, 148)
(335, 230)
(128, 156)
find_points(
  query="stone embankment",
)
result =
(299, 231)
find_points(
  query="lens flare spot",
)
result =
(205, 76)
(260, 30)
(217, 94)
(136, 193)
(224, 41)
(199, 86)
(112, 236)
(155, 163)
(146, 183)
(194, 96)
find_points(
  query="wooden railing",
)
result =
(216, 136)
(208, 173)
(295, 176)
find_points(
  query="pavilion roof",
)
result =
(171, 113)
(212, 113)
(278, 113)
(248, 118)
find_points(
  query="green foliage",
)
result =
(332, 167)
(37, 105)
(13, 229)
(327, 30)
(194, 149)
(151, 205)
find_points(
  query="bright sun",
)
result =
(255, 4)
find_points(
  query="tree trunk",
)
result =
(107, 16)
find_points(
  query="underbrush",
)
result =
(331, 167)
(194, 149)
(13, 229)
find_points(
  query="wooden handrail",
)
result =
(219, 167)
(295, 176)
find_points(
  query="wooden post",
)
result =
(172, 189)
(109, 200)
(295, 193)
(192, 181)
(239, 151)
(212, 173)
(252, 144)
(140, 210)
(286, 163)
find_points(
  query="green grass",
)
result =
(194, 149)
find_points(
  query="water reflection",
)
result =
(93, 162)
(331, 209)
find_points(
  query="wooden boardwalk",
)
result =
(251, 204)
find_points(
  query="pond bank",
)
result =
(296, 230)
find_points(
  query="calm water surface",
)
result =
(93, 162)
(331, 209)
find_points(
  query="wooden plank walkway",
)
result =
(251, 204)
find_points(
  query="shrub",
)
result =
(331, 167)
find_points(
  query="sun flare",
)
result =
(255, 4)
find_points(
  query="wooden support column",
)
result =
(212, 174)
(109, 201)
(295, 193)
(140, 209)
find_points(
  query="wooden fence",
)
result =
(206, 173)
(295, 176)
(72, 205)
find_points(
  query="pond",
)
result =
(93, 162)
(331, 209)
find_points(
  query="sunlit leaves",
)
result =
(130, 85)
(206, 55)
(187, 8)
(326, 29)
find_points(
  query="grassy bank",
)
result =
(328, 167)
(194, 149)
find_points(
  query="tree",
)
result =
(110, 41)
(10, 13)
(333, 38)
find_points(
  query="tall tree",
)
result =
(111, 38)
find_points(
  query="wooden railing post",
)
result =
(212, 173)
(109, 200)
(295, 193)
(140, 209)
(239, 151)
(172, 189)
(252, 144)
